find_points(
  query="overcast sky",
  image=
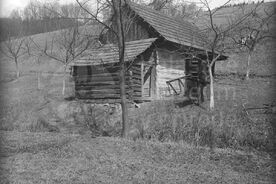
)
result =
(8, 5)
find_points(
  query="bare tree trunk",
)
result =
(212, 136)
(63, 81)
(38, 75)
(248, 65)
(213, 69)
(38, 80)
(17, 68)
(212, 99)
(121, 45)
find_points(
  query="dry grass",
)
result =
(61, 158)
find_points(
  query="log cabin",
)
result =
(160, 53)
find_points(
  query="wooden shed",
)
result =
(97, 75)
(158, 48)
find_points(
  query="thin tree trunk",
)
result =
(38, 75)
(63, 81)
(212, 135)
(212, 99)
(17, 69)
(121, 45)
(248, 65)
(212, 107)
(38, 80)
(213, 69)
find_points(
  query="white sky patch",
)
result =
(8, 5)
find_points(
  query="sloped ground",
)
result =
(64, 158)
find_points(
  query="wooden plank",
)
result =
(172, 87)
(99, 78)
(100, 101)
(103, 74)
(138, 64)
(138, 76)
(136, 87)
(137, 81)
(180, 81)
(105, 91)
(136, 73)
(100, 81)
(102, 87)
(153, 77)
(138, 91)
(142, 76)
(99, 96)
(141, 99)
(137, 70)
(147, 74)
(131, 82)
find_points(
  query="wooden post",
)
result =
(142, 78)
(182, 86)
(131, 89)
(153, 77)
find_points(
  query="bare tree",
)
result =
(119, 32)
(159, 4)
(28, 45)
(220, 39)
(13, 48)
(67, 46)
(121, 45)
(215, 46)
(38, 53)
(254, 31)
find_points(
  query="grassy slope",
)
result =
(58, 158)
(29, 64)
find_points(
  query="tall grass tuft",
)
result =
(230, 127)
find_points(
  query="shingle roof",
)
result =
(182, 32)
(109, 53)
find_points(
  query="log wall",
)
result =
(103, 82)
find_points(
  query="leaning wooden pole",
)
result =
(121, 45)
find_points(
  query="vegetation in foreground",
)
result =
(64, 158)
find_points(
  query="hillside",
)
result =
(225, 15)
(88, 30)
(29, 64)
